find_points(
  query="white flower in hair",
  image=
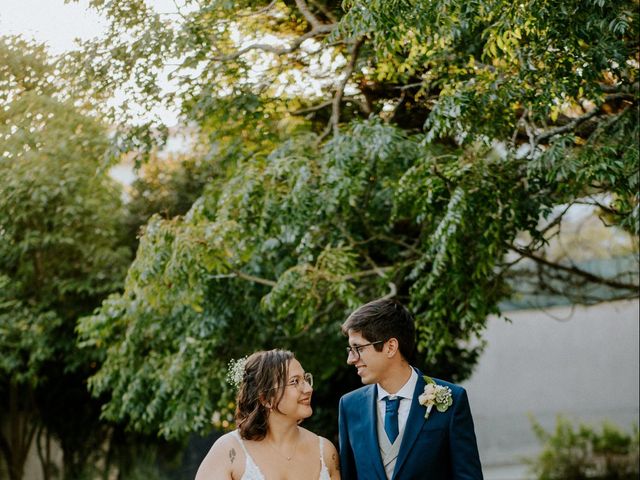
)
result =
(235, 371)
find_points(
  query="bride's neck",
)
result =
(282, 432)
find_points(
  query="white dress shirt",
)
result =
(405, 394)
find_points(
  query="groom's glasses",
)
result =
(356, 350)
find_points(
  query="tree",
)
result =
(61, 252)
(435, 135)
(167, 185)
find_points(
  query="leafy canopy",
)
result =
(60, 254)
(432, 136)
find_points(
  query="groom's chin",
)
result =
(364, 378)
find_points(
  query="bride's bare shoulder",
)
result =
(312, 437)
(331, 458)
(221, 460)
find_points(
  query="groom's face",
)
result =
(370, 363)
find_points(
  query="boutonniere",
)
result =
(435, 395)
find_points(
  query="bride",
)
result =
(273, 398)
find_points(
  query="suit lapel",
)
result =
(414, 424)
(370, 442)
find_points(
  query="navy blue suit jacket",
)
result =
(442, 447)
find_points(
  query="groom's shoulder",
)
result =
(356, 395)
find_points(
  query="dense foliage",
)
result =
(60, 254)
(362, 149)
(167, 185)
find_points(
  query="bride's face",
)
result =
(296, 401)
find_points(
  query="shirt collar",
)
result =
(405, 392)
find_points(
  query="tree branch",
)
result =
(245, 276)
(575, 271)
(555, 222)
(310, 17)
(175, 3)
(618, 89)
(396, 107)
(408, 86)
(312, 109)
(265, 47)
(520, 121)
(325, 11)
(258, 12)
(605, 208)
(393, 289)
(396, 241)
(328, 103)
(581, 119)
(567, 127)
(380, 271)
(335, 111)
(582, 291)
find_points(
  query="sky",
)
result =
(50, 21)
(57, 24)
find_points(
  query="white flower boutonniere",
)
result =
(435, 395)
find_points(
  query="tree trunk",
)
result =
(6, 454)
(21, 432)
(44, 453)
(109, 455)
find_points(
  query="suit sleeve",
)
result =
(465, 460)
(347, 462)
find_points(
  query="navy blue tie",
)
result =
(391, 418)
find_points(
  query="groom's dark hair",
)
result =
(383, 319)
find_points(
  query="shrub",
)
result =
(583, 453)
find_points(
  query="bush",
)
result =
(584, 453)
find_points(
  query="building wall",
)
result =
(582, 362)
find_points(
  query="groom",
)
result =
(383, 430)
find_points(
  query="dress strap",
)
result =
(322, 464)
(239, 438)
(251, 470)
(324, 471)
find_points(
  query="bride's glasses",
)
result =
(299, 382)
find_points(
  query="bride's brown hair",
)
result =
(262, 388)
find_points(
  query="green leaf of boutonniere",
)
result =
(435, 395)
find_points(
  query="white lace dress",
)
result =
(252, 472)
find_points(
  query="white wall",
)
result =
(581, 362)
